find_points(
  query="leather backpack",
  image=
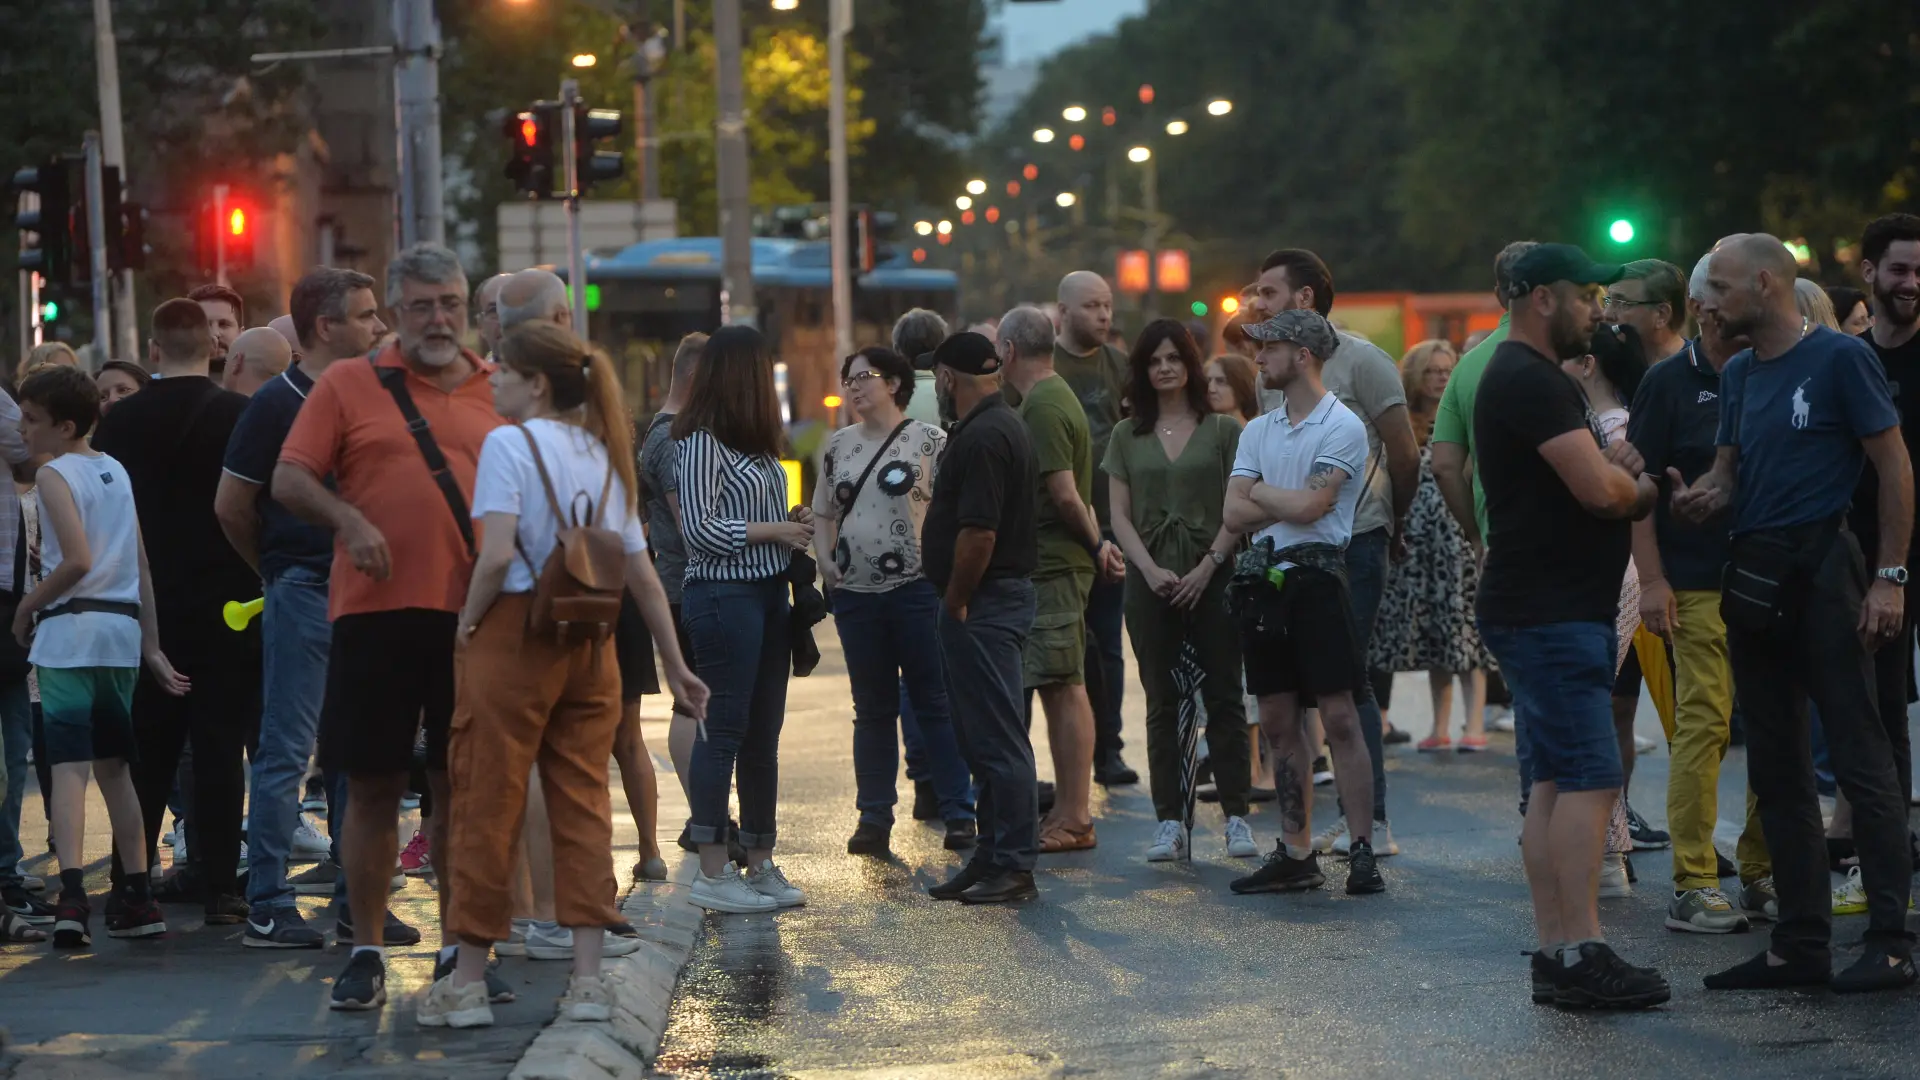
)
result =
(576, 595)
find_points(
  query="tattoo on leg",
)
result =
(1293, 806)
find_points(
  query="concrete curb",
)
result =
(642, 984)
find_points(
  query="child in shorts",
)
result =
(89, 623)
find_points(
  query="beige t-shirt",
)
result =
(879, 534)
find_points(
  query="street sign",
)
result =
(1173, 271)
(1131, 272)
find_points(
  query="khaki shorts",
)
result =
(1056, 652)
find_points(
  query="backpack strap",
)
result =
(395, 381)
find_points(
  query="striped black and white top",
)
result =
(720, 491)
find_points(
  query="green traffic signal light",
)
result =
(1621, 231)
(1200, 308)
(49, 311)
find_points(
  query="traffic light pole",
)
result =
(570, 149)
(113, 145)
(730, 138)
(97, 243)
(416, 84)
(839, 22)
(220, 235)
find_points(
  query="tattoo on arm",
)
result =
(1321, 475)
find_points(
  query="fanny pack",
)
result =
(1768, 573)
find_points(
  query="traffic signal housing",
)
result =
(589, 127)
(224, 234)
(49, 228)
(532, 135)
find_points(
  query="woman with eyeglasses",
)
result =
(868, 508)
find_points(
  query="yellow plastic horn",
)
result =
(239, 614)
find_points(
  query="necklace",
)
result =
(1167, 429)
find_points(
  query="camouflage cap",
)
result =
(1302, 326)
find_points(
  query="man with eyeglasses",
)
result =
(486, 312)
(403, 552)
(1651, 298)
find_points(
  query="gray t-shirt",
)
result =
(1367, 381)
(659, 461)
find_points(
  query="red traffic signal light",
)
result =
(532, 134)
(237, 222)
(529, 130)
(1146, 93)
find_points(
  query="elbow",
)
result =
(286, 486)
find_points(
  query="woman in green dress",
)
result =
(1167, 470)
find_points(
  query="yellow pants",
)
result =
(1703, 686)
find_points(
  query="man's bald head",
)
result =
(1749, 283)
(256, 356)
(283, 325)
(533, 294)
(1086, 311)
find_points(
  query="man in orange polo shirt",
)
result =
(403, 550)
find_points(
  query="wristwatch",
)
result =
(1895, 574)
(1218, 559)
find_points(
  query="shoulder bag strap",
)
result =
(853, 497)
(395, 380)
(553, 501)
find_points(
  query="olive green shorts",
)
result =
(1056, 652)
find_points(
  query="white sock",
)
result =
(448, 952)
(1294, 852)
(377, 950)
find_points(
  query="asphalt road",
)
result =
(1129, 969)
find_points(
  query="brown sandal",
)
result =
(15, 930)
(1059, 838)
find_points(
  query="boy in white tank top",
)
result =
(94, 627)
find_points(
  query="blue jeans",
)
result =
(1366, 581)
(295, 637)
(16, 737)
(742, 649)
(912, 745)
(986, 686)
(891, 639)
(1561, 675)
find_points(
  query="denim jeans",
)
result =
(913, 747)
(1366, 581)
(742, 649)
(891, 638)
(16, 737)
(1106, 664)
(985, 685)
(1561, 675)
(295, 636)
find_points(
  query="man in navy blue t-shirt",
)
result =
(335, 317)
(1800, 414)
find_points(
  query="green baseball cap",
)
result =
(1545, 264)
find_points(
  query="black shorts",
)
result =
(1626, 681)
(633, 644)
(1306, 642)
(389, 673)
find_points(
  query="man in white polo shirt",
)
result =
(1292, 485)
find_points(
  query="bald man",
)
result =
(283, 326)
(255, 356)
(486, 302)
(1800, 413)
(1097, 373)
(532, 295)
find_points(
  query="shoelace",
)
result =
(1715, 899)
(1169, 834)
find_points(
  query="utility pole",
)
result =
(106, 60)
(570, 147)
(1150, 196)
(97, 251)
(730, 137)
(648, 53)
(416, 86)
(839, 22)
(220, 234)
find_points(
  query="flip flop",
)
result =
(18, 931)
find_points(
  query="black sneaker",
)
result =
(320, 879)
(70, 925)
(1113, 771)
(736, 852)
(1756, 974)
(362, 986)
(130, 918)
(1645, 835)
(498, 992)
(315, 799)
(1046, 797)
(26, 907)
(1543, 970)
(1363, 870)
(282, 928)
(1601, 980)
(968, 876)
(685, 839)
(926, 804)
(1283, 873)
(1322, 771)
(397, 932)
(962, 833)
(180, 887)
(1723, 866)
(870, 838)
(1879, 968)
(226, 910)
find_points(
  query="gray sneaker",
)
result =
(1759, 901)
(1704, 911)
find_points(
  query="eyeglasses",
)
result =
(1612, 301)
(424, 309)
(853, 381)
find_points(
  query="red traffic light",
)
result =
(1031, 172)
(236, 222)
(529, 130)
(1109, 117)
(1146, 93)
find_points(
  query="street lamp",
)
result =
(1064, 199)
(1176, 127)
(1073, 114)
(963, 203)
(944, 227)
(1219, 107)
(585, 60)
(924, 228)
(976, 187)
(1139, 155)
(785, 5)
(1043, 135)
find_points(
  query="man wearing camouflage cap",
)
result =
(1295, 484)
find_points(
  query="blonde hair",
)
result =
(1413, 377)
(1814, 303)
(49, 353)
(578, 375)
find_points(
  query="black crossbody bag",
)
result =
(395, 381)
(1769, 571)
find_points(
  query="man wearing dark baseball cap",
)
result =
(977, 547)
(1559, 503)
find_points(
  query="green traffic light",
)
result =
(1200, 308)
(1621, 231)
(49, 311)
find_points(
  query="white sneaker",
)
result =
(444, 1005)
(587, 1000)
(1613, 878)
(767, 880)
(1169, 842)
(516, 943)
(547, 941)
(1643, 745)
(729, 892)
(1333, 834)
(308, 843)
(1500, 718)
(1240, 843)
(1382, 840)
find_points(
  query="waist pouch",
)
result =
(1769, 572)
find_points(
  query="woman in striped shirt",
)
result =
(740, 537)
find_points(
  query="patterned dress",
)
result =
(1426, 613)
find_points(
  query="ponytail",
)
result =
(580, 376)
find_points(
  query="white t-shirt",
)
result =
(104, 496)
(1274, 451)
(507, 482)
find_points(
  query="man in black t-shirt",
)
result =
(978, 548)
(171, 438)
(1558, 505)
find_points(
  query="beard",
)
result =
(1571, 338)
(1901, 308)
(949, 409)
(434, 351)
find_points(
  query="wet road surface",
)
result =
(1129, 969)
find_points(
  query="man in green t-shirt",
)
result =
(1070, 551)
(1453, 419)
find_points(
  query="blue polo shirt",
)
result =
(252, 451)
(1798, 420)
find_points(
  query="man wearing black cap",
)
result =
(1558, 508)
(978, 548)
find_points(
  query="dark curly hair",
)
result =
(890, 365)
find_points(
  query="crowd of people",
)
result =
(469, 564)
